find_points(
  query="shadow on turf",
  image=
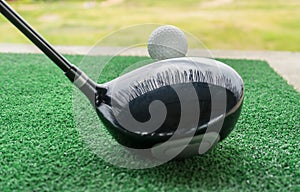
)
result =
(220, 166)
(224, 166)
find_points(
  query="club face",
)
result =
(171, 100)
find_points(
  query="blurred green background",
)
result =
(220, 24)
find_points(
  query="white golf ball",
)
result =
(167, 42)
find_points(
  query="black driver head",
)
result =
(173, 104)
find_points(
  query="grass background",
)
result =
(220, 24)
(41, 149)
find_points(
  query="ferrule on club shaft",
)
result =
(83, 83)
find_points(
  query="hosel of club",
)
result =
(88, 87)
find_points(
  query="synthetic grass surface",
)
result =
(41, 149)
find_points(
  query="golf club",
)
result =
(143, 109)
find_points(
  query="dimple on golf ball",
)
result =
(167, 42)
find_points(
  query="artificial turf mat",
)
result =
(41, 150)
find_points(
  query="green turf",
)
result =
(41, 149)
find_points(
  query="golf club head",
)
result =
(176, 107)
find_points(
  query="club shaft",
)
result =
(74, 74)
(70, 70)
(37, 39)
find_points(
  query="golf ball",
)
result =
(167, 42)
